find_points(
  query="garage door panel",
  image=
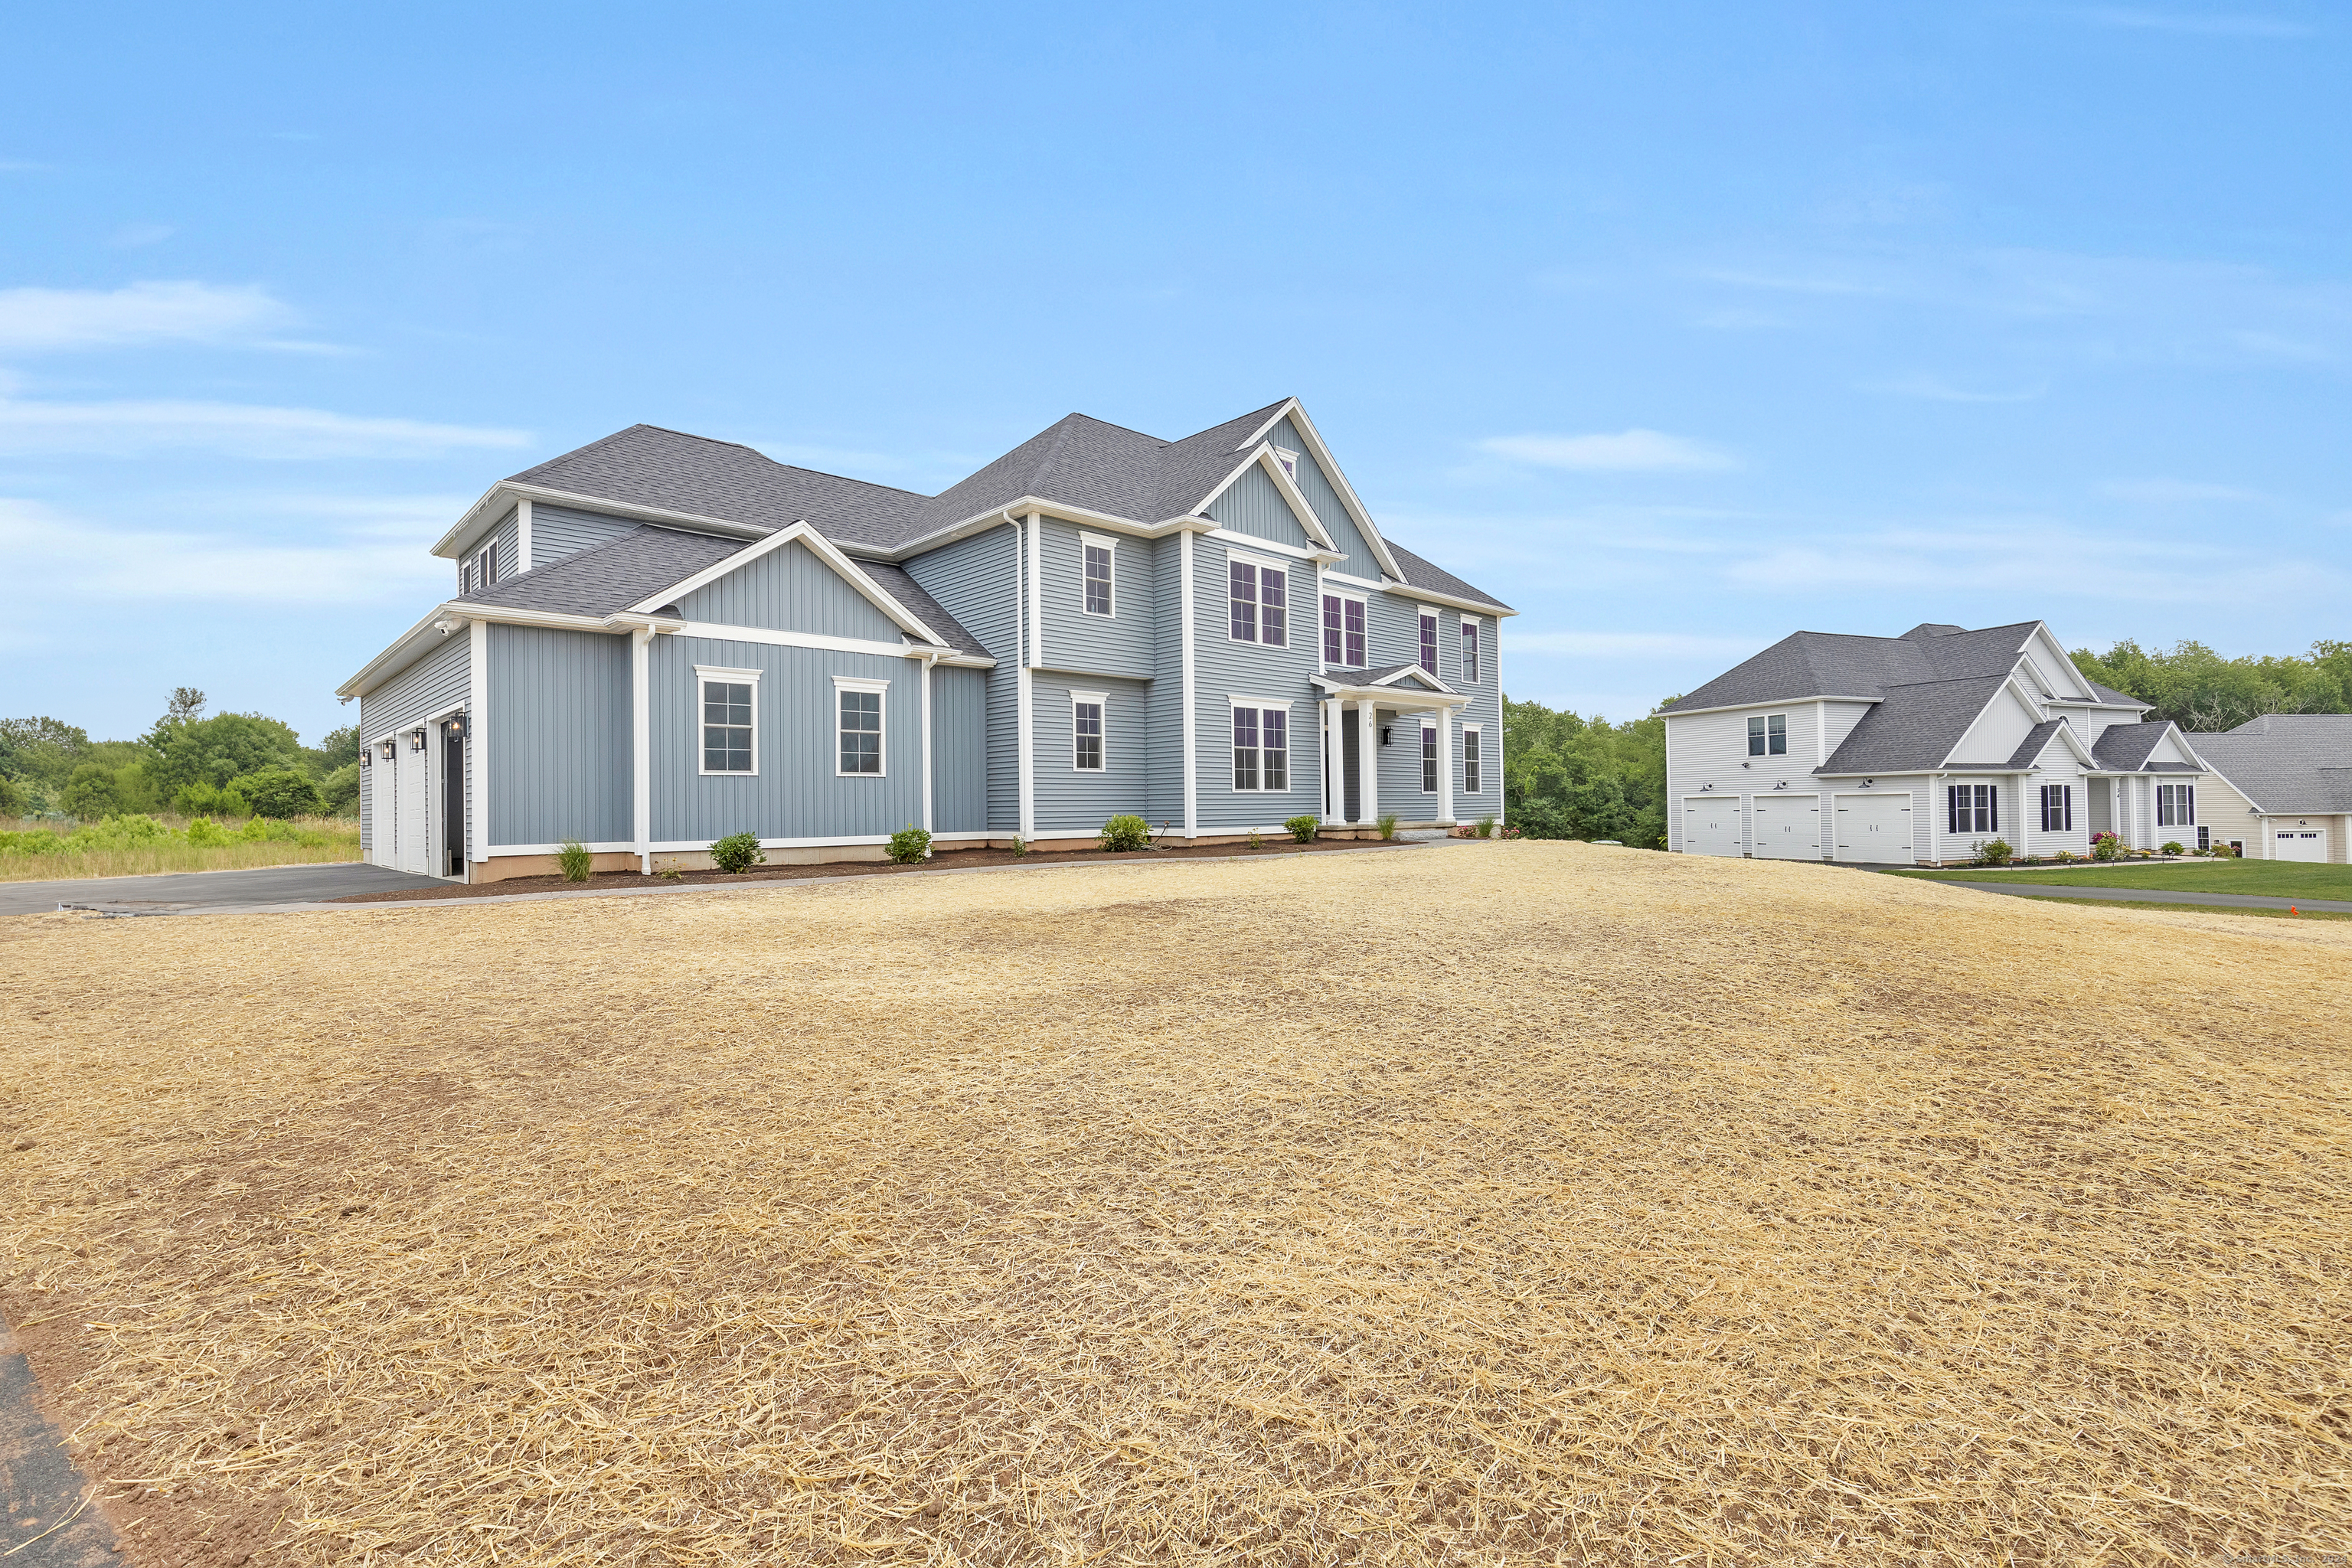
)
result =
(1787, 827)
(1874, 829)
(2299, 844)
(1711, 826)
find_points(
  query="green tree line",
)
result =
(1565, 777)
(231, 764)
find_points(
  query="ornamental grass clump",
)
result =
(737, 852)
(575, 859)
(1386, 824)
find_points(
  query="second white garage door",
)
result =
(2299, 844)
(1874, 829)
(1787, 827)
(1711, 825)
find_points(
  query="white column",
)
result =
(1446, 766)
(477, 745)
(929, 659)
(1184, 609)
(522, 535)
(642, 735)
(1368, 761)
(1334, 766)
(1036, 590)
(1024, 823)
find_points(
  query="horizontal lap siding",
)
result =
(508, 533)
(1705, 749)
(796, 793)
(560, 746)
(435, 684)
(557, 531)
(1255, 505)
(974, 581)
(1069, 800)
(790, 589)
(1225, 666)
(959, 751)
(1119, 644)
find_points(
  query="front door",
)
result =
(452, 805)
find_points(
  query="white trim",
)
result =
(641, 806)
(1317, 449)
(1367, 761)
(477, 754)
(704, 673)
(522, 532)
(1037, 569)
(1186, 613)
(1478, 729)
(1102, 700)
(1445, 770)
(1109, 545)
(1243, 699)
(718, 631)
(842, 683)
(692, 522)
(1774, 702)
(1024, 723)
(1261, 707)
(1224, 535)
(1472, 628)
(1292, 496)
(1329, 592)
(1335, 769)
(1263, 564)
(823, 549)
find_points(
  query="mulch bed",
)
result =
(942, 861)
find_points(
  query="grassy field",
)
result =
(2283, 878)
(315, 840)
(1519, 1203)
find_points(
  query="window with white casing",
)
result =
(729, 699)
(1429, 758)
(1289, 461)
(858, 726)
(1086, 730)
(1768, 734)
(1343, 631)
(1429, 641)
(2176, 805)
(1474, 759)
(486, 565)
(1972, 808)
(1261, 747)
(1469, 651)
(1095, 564)
(2057, 808)
(1259, 594)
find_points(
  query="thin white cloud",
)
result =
(130, 429)
(1628, 645)
(2174, 492)
(61, 558)
(1934, 389)
(50, 319)
(133, 236)
(2208, 26)
(1627, 450)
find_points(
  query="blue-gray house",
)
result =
(659, 639)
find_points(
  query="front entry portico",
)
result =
(1356, 704)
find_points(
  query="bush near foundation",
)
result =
(737, 852)
(910, 844)
(1304, 828)
(1124, 834)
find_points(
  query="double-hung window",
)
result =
(1973, 808)
(484, 571)
(1474, 759)
(2057, 808)
(1086, 730)
(1429, 758)
(731, 724)
(1429, 641)
(1095, 553)
(1261, 747)
(1259, 593)
(1768, 735)
(858, 708)
(1343, 631)
(1469, 651)
(2176, 805)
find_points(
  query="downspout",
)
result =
(929, 661)
(1184, 609)
(1025, 825)
(641, 734)
(478, 747)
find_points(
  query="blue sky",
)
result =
(1679, 326)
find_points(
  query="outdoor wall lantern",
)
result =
(388, 751)
(456, 728)
(417, 739)
(367, 755)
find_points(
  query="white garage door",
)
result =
(1711, 825)
(2298, 844)
(412, 795)
(1787, 827)
(1874, 829)
(384, 816)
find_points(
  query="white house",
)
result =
(1915, 749)
(2280, 786)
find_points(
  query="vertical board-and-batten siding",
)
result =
(975, 580)
(959, 750)
(1329, 510)
(560, 737)
(557, 531)
(791, 588)
(435, 684)
(1254, 504)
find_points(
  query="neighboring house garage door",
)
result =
(1711, 825)
(1874, 829)
(2298, 844)
(383, 811)
(1787, 827)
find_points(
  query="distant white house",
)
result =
(1915, 749)
(2280, 785)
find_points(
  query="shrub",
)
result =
(339, 792)
(1021, 847)
(1124, 834)
(1484, 827)
(205, 833)
(90, 793)
(280, 792)
(910, 844)
(2106, 847)
(204, 798)
(2175, 849)
(2065, 857)
(1304, 828)
(2224, 852)
(1257, 839)
(576, 860)
(737, 852)
(1992, 852)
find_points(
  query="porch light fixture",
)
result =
(367, 755)
(417, 739)
(456, 728)
(388, 751)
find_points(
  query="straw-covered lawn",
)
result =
(1501, 1203)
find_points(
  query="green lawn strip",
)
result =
(2197, 908)
(2276, 879)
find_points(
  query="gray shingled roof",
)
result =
(1420, 574)
(1915, 728)
(2286, 762)
(1827, 664)
(2035, 740)
(2110, 694)
(607, 578)
(1368, 677)
(2125, 747)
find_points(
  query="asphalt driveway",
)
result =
(264, 889)
(2161, 896)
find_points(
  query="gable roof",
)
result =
(1914, 727)
(2124, 748)
(1828, 663)
(1420, 574)
(2291, 763)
